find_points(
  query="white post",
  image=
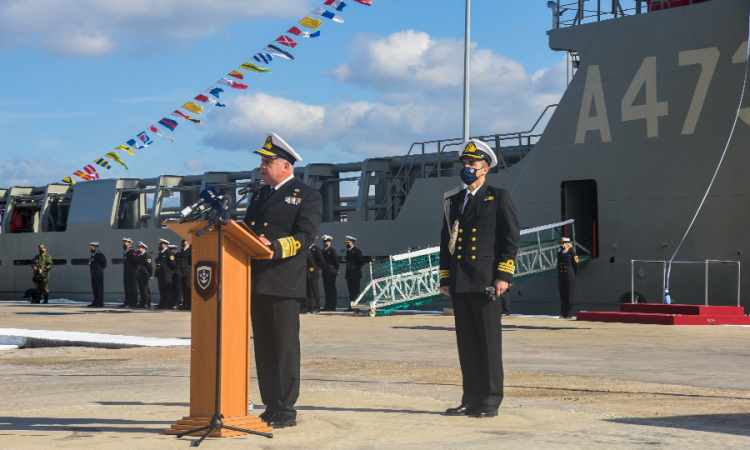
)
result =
(632, 282)
(467, 42)
(706, 282)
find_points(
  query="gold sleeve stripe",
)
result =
(445, 274)
(576, 258)
(508, 267)
(289, 246)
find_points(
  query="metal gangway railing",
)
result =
(413, 278)
(664, 264)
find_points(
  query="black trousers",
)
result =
(176, 291)
(277, 351)
(312, 302)
(353, 285)
(329, 287)
(165, 292)
(144, 290)
(480, 347)
(97, 285)
(566, 288)
(187, 292)
(131, 287)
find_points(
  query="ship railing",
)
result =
(706, 263)
(584, 11)
(413, 278)
(401, 181)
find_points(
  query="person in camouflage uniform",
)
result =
(42, 263)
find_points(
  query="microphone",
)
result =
(249, 188)
(207, 195)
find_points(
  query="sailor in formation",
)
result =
(286, 215)
(184, 260)
(478, 248)
(164, 272)
(144, 271)
(129, 262)
(97, 265)
(567, 269)
(315, 263)
(330, 271)
(41, 264)
(174, 297)
(353, 275)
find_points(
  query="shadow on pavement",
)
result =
(736, 424)
(81, 425)
(366, 410)
(143, 404)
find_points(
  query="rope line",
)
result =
(716, 172)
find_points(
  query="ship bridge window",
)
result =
(80, 261)
(579, 202)
(56, 213)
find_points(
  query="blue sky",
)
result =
(81, 77)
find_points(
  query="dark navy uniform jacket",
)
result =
(130, 260)
(290, 219)
(98, 263)
(184, 259)
(165, 265)
(567, 265)
(144, 267)
(315, 261)
(331, 258)
(487, 245)
(354, 263)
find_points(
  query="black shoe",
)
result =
(264, 416)
(316, 311)
(282, 420)
(94, 306)
(485, 411)
(462, 410)
(122, 306)
(160, 307)
(139, 306)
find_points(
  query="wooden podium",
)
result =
(239, 247)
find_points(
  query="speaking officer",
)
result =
(353, 274)
(330, 270)
(286, 215)
(130, 260)
(144, 271)
(97, 265)
(165, 268)
(567, 269)
(478, 247)
(184, 268)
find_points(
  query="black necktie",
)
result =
(469, 196)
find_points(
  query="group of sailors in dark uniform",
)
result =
(326, 260)
(172, 271)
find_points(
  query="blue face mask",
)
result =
(468, 175)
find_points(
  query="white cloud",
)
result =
(196, 165)
(419, 80)
(91, 28)
(19, 171)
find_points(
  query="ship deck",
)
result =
(371, 382)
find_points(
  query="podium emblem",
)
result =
(206, 278)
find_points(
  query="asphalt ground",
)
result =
(385, 381)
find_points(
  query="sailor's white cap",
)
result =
(350, 238)
(163, 241)
(565, 240)
(327, 238)
(127, 240)
(275, 147)
(141, 244)
(94, 243)
(172, 246)
(478, 150)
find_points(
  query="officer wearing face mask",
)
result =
(567, 268)
(130, 283)
(478, 248)
(97, 265)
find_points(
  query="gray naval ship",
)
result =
(628, 153)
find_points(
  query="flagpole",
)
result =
(466, 71)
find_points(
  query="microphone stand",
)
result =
(216, 423)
